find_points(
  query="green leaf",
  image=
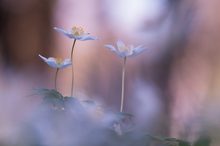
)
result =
(49, 93)
(180, 142)
(123, 115)
(203, 141)
(89, 102)
(51, 96)
(157, 138)
(70, 101)
(184, 143)
(170, 141)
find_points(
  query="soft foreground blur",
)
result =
(172, 89)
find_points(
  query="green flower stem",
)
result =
(56, 78)
(72, 53)
(123, 84)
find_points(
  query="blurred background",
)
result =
(172, 88)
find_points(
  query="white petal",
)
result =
(123, 54)
(86, 37)
(120, 44)
(66, 33)
(43, 58)
(112, 48)
(52, 62)
(66, 63)
(115, 50)
(137, 50)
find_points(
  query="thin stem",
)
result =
(123, 84)
(56, 78)
(72, 53)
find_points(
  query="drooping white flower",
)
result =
(57, 63)
(123, 50)
(76, 33)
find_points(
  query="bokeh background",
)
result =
(172, 88)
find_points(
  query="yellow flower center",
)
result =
(77, 31)
(124, 49)
(59, 61)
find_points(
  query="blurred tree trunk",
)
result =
(25, 30)
(194, 79)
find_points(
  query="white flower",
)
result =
(76, 33)
(56, 62)
(123, 50)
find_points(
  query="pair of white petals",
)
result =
(56, 63)
(123, 50)
(71, 35)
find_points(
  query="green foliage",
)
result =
(178, 141)
(49, 93)
(89, 102)
(120, 131)
(123, 115)
(203, 141)
(56, 100)
(170, 141)
(51, 97)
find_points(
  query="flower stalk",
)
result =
(123, 84)
(55, 84)
(76, 33)
(72, 68)
(124, 51)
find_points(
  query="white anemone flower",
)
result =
(76, 33)
(123, 50)
(56, 63)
